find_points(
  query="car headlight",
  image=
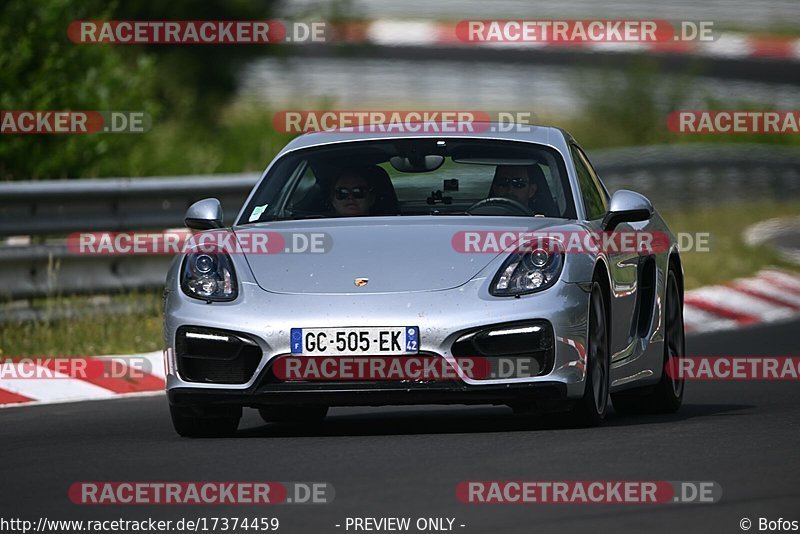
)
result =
(533, 269)
(209, 277)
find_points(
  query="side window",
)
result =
(595, 178)
(304, 185)
(594, 199)
(308, 193)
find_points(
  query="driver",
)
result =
(514, 182)
(351, 194)
(525, 184)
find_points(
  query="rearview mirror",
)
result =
(204, 214)
(417, 162)
(627, 206)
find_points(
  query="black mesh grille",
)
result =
(517, 341)
(215, 356)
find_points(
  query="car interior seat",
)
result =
(386, 202)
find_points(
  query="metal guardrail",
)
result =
(670, 175)
(52, 270)
(702, 174)
(62, 206)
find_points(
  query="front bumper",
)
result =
(380, 394)
(442, 316)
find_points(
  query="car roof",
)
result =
(544, 135)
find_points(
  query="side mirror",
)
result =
(204, 214)
(627, 206)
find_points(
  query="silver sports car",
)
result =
(371, 268)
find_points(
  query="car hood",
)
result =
(395, 254)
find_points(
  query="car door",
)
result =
(623, 261)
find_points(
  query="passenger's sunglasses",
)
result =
(517, 183)
(358, 192)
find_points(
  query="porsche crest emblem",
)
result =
(361, 282)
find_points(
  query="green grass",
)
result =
(728, 258)
(87, 335)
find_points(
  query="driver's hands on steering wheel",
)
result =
(490, 206)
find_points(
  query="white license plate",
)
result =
(367, 341)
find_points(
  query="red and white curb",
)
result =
(33, 382)
(771, 295)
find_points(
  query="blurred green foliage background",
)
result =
(183, 88)
(189, 91)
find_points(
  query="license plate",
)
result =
(373, 340)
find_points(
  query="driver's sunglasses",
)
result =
(357, 192)
(517, 183)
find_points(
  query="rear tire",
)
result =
(293, 414)
(667, 395)
(196, 422)
(591, 409)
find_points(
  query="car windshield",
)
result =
(409, 177)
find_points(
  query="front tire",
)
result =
(591, 409)
(667, 395)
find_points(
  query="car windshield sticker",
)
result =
(257, 213)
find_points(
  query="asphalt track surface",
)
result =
(406, 462)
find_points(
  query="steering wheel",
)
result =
(499, 206)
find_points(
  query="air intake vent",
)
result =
(215, 356)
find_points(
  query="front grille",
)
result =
(211, 355)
